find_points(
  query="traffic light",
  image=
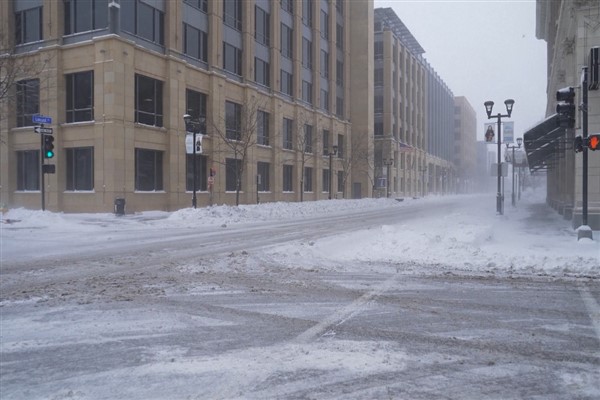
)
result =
(578, 144)
(565, 108)
(48, 146)
(593, 142)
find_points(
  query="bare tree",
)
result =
(305, 142)
(236, 134)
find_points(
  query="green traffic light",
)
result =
(49, 154)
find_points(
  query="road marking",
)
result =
(593, 309)
(344, 314)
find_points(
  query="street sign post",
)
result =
(41, 119)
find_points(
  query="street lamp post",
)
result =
(388, 164)
(194, 128)
(509, 147)
(331, 154)
(488, 109)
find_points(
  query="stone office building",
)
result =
(116, 79)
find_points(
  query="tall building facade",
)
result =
(465, 142)
(570, 29)
(266, 84)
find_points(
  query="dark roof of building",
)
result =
(390, 20)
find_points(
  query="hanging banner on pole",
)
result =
(508, 132)
(490, 134)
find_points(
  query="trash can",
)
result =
(119, 206)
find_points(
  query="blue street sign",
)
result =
(41, 119)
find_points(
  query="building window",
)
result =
(339, 72)
(307, 12)
(195, 106)
(308, 184)
(379, 50)
(307, 91)
(148, 101)
(148, 170)
(28, 101)
(83, 16)
(233, 121)
(28, 26)
(339, 36)
(307, 59)
(324, 25)
(308, 138)
(325, 142)
(378, 73)
(324, 64)
(232, 13)
(143, 20)
(324, 99)
(378, 130)
(262, 169)
(287, 83)
(233, 175)
(288, 136)
(287, 41)
(195, 43)
(339, 106)
(288, 178)
(262, 128)
(232, 60)
(287, 5)
(80, 96)
(340, 152)
(201, 172)
(80, 168)
(28, 170)
(201, 5)
(262, 74)
(339, 5)
(378, 108)
(262, 30)
(326, 176)
(340, 181)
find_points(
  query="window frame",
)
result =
(79, 171)
(28, 101)
(233, 121)
(262, 128)
(153, 115)
(264, 170)
(74, 95)
(28, 170)
(155, 171)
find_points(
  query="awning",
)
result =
(541, 143)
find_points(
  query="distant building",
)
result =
(465, 140)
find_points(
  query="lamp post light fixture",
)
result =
(331, 154)
(489, 105)
(513, 147)
(193, 127)
(388, 164)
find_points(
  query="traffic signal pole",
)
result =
(42, 158)
(584, 132)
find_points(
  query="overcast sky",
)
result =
(483, 50)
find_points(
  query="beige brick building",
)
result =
(116, 79)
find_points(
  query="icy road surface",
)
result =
(431, 298)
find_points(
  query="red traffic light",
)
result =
(593, 142)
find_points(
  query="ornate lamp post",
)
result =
(331, 154)
(509, 147)
(488, 109)
(194, 128)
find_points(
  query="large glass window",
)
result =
(201, 172)
(308, 138)
(288, 5)
(287, 41)
(80, 96)
(307, 12)
(232, 60)
(195, 105)
(28, 26)
(195, 43)
(143, 20)
(340, 145)
(83, 16)
(339, 72)
(325, 99)
(287, 83)
(324, 25)
(232, 13)
(339, 36)
(148, 101)
(263, 169)
(201, 5)
(262, 31)
(262, 128)
(233, 121)
(307, 58)
(307, 92)
(287, 133)
(288, 178)
(308, 179)
(233, 175)
(324, 64)
(340, 181)
(80, 168)
(325, 142)
(262, 74)
(326, 174)
(28, 170)
(148, 170)
(28, 101)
